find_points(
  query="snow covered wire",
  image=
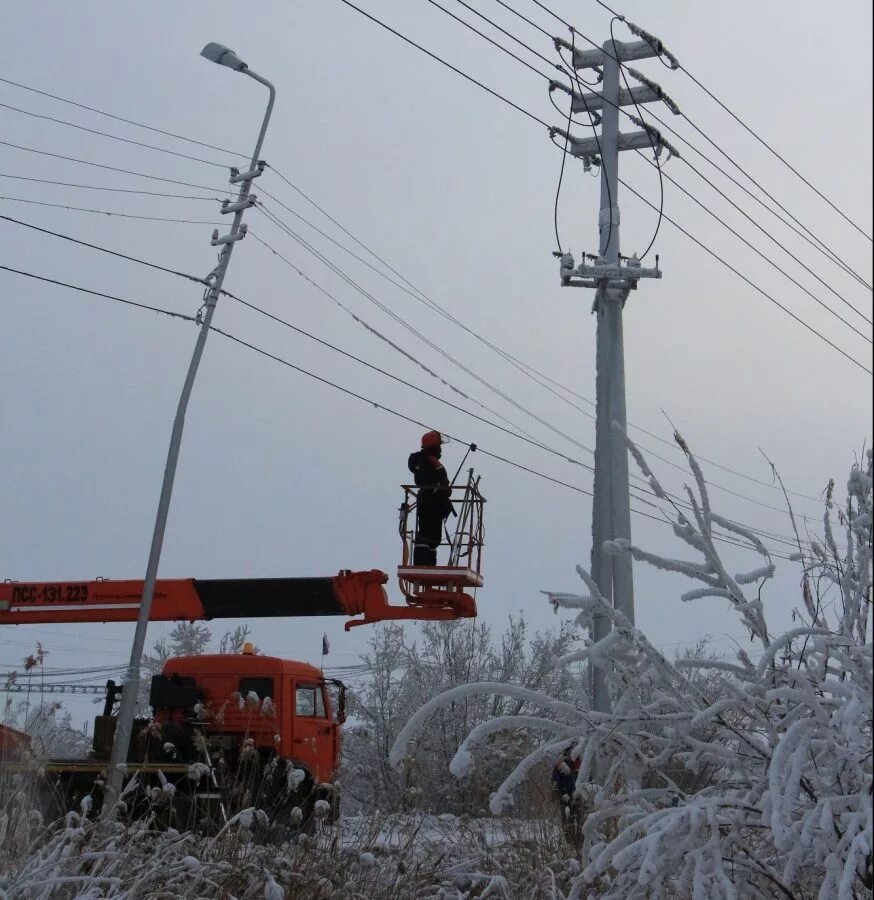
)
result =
(713, 778)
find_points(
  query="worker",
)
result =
(564, 776)
(434, 504)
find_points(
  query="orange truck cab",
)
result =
(285, 708)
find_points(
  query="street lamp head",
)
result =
(224, 56)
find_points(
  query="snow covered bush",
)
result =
(406, 669)
(785, 739)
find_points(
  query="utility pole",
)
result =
(612, 277)
(223, 56)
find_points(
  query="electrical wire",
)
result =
(540, 121)
(567, 138)
(503, 4)
(448, 65)
(751, 283)
(485, 37)
(753, 133)
(74, 287)
(771, 237)
(298, 330)
(198, 142)
(384, 308)
(117, 190)
(767, 146)
(405, 324)
(554, 15)
(88, 162)
(284, 322)
(765, 257)
(420, 296)
(524, 18)
(106, 212)
(113, 137)
(508, 34)
(780, 538)
(743, 475)
(765, 191)
(198, 280)
(454, 437)
(332, 384)
(108, 115)
(136, 259)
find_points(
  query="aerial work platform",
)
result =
(441, 585)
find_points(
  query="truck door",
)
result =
(311, 739)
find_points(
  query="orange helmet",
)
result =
(433, 439)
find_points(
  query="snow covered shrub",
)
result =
(407, 671)
(785, 741)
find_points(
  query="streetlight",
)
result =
(220, 54)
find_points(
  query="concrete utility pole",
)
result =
(223, 56)
(612, 281)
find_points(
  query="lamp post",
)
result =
(220, 54)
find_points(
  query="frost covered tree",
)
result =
(786, 738)
(403, 672)
(51, 729)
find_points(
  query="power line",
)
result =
(413, 421)
(198, 142)
(751, 283)
(340, 388)
(509, 34)
(780, 538)
(106, 212)
(406, 383)
(117, 190)
(75, 287)
(535, 118)
(279, 174)
(284, 322)
(760, 187)
(405, 324)
(198, 280)
(765, 144)
(785, 249)
(554, 15)
(354, 284)
(113, 137)
(88, 162)
(755, 134)
(768, 259)
(136, 259)
(448, 65)
(531, 116)
(606, 180)
(485, 37)
(109, 115)
(524, 18)
(420, 296)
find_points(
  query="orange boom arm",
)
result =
(192, 599)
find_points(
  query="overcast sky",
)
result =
(280, 475)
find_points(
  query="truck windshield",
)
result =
(309, 701)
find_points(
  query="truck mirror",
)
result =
(340, 710)
(341, 703)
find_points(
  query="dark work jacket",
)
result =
(431, 478)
